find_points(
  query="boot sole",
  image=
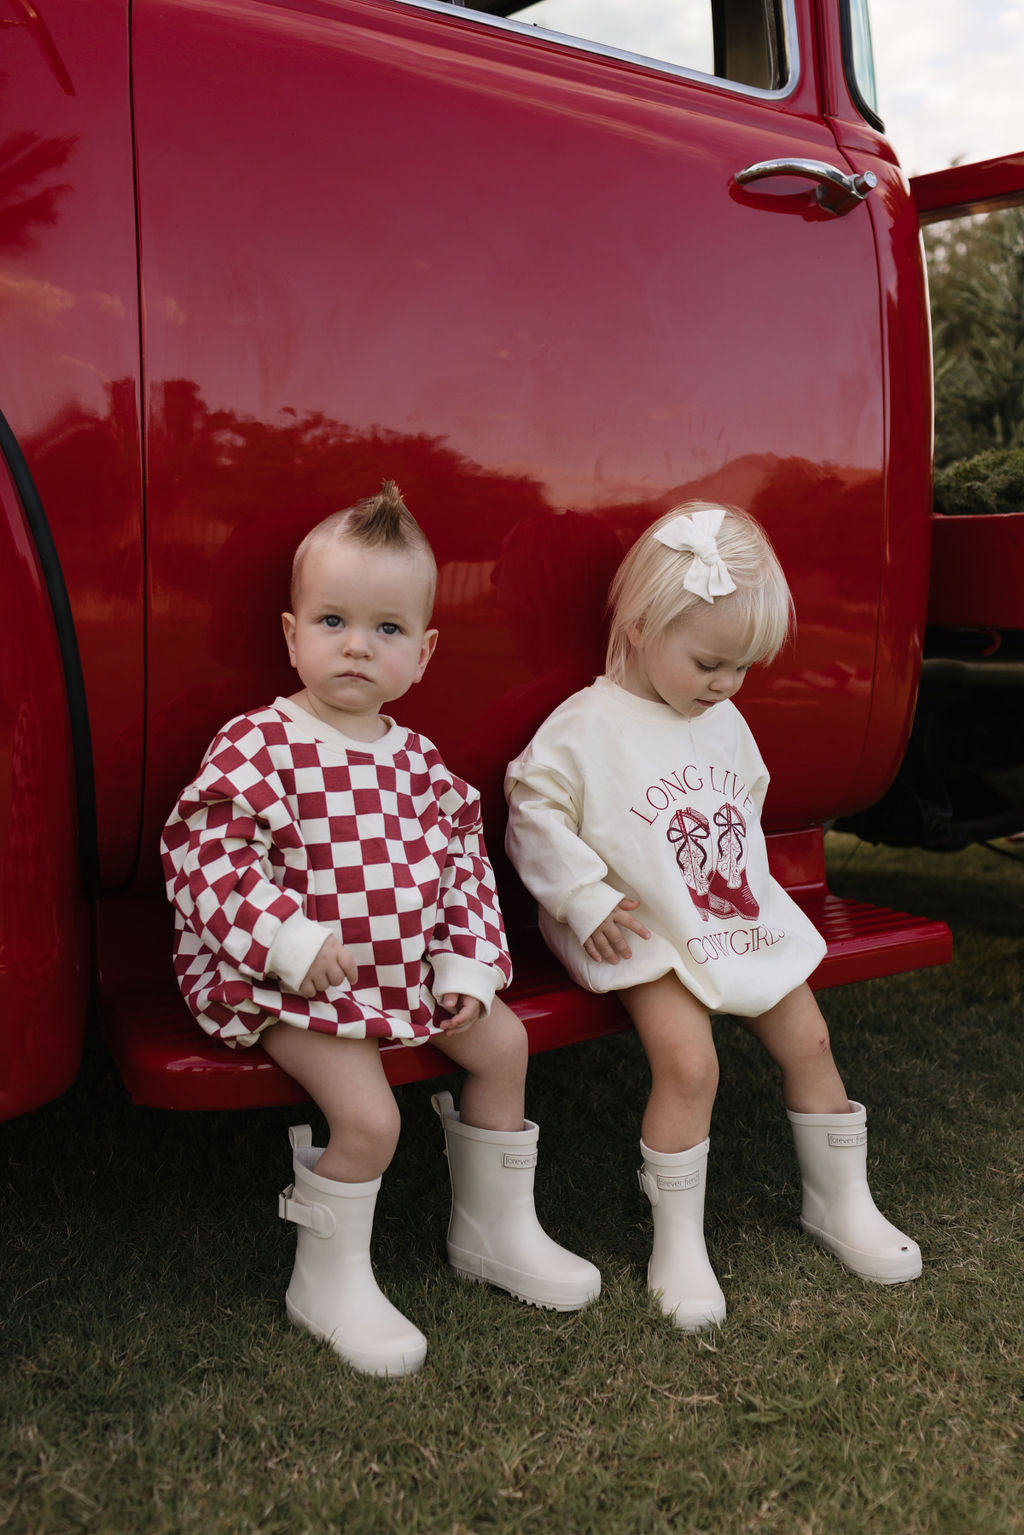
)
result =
(402, 1362)
(866, 1265)
(520, 1287)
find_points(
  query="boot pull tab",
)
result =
(443, 1105)
(316, 1218)
(648, 1185)
(300, 1136)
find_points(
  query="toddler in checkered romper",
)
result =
(331, 889)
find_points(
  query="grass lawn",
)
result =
(152, 1385)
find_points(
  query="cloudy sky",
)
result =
(949, 72)
(949, 76)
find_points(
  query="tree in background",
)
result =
(976, 276)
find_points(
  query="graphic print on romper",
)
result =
(720, 888)
(689, 831)
(728, 885)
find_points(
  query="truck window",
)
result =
(742, 41)
(858, 57)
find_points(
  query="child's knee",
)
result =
(370, 1120)
(691, 1073)
(508, 1041)
(701, 1072)
(811, 1036)
(807, 1045)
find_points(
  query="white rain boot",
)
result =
(679, 1269)
(333, 1293)
(838, 1209)
(494, 1235)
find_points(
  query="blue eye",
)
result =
(331, 620)
(390, 628)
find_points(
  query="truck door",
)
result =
(521, 272)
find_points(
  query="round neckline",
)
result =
(651, 708)
(328, 735)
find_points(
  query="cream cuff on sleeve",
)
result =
(296, 946)
(454, 974)
(587, 908)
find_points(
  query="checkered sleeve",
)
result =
(468, 950)
(230, 834)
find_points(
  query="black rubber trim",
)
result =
(846, 34)
(74, 682)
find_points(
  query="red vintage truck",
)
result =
(256, 255)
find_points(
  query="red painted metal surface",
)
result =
(907, 415)
(313, 335)
(978, 572)
(44, 971)
(373, 241)
(962, 189)
(69, 359)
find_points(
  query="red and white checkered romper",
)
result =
(378, 843)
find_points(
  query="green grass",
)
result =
(151, 1383)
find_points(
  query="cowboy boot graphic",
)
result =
(688, 831)
(729, 894)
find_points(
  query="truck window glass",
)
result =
(860, 60)
(743, 41)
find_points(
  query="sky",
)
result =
(949, 75)
(949, 72)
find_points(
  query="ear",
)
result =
(288, 625)
(426, 651)
(635, 634)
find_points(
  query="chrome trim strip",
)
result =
(605, 50)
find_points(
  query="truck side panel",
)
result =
(69, 362)
(44, 938)
(519, 278)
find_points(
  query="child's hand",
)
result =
(464, 1010)
(333, 965)
(607, 942)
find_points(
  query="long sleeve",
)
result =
(468, 952)
(231, 826)
(564, 875)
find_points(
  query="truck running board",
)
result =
(168, 1063)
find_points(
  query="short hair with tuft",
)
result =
(382, 521)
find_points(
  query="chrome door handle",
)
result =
(836, 192)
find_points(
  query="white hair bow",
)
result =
(708, 575)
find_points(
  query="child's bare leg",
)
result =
(796, 1037)
(831, 1144)
(494, 1233)
(675, 1031)
(345, 1078)
(494, 1054)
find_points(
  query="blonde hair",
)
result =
(647, 589)
(382, 521)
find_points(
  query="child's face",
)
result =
(700, 659)
(359, 635)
